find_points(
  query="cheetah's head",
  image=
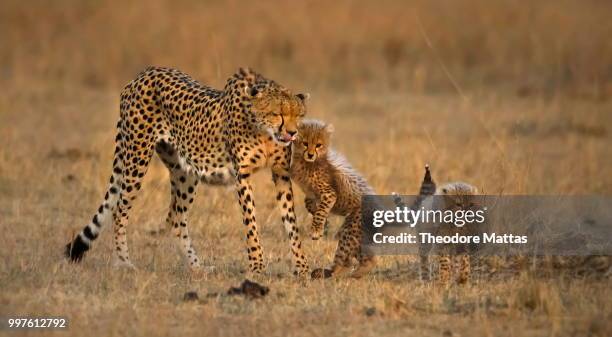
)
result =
(274, 108)
(313, 139)
(458, 195)
(279, 112)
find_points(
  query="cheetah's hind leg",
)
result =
(183, 187)
(463, 268)
(347, 249)
(366, 264)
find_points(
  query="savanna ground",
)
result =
(513, 97)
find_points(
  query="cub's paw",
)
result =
(316, 231)
(301, 273)
(463, 279)
(301, 270)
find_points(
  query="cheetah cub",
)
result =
(451, 196)
(331, 185)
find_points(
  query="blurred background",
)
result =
(524, 47)
(513, 96)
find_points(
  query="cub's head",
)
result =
(458, 195)
(273, 107)
(313, 140)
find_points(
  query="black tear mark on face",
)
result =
(280, 128)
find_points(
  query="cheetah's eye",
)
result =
(319, 145)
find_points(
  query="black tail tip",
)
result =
(427, 173)
(75, 250)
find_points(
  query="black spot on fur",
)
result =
(89, 234)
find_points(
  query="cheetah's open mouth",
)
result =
(284, 138)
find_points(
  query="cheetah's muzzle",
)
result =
(284, 138)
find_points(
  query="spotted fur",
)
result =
(201, 135)
(451, 196)
(331, 185)
(428, 188)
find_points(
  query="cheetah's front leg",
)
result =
(444, 269)
(311, 207)
(324, 207)
(284, 197)
(425, 266)
(247, 204)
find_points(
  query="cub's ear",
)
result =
(252, 92)
(330, 128)
(303, 97)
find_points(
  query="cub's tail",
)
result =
(428, 187)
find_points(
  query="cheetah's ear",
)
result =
(330, 128)
(252, 92)
(303, 97)
(248, 74)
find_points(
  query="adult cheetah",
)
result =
(200, 134)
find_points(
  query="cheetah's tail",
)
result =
(428, 187)
(82, 242)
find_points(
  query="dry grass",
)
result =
(532, 117)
